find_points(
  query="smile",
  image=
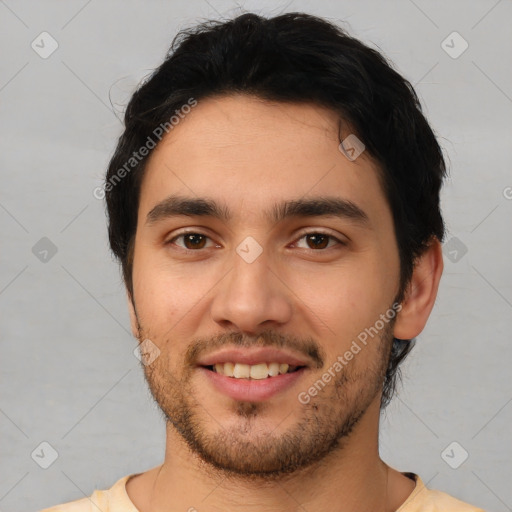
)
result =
(258, 371)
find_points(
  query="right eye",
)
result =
(192, 241)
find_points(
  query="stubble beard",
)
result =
(246, 452)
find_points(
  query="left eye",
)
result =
(318, 240)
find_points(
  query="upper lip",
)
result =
(252, 356)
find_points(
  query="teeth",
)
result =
(256, 371)
(273, 369)
(259, 371)
(242, 371)
(229, 369)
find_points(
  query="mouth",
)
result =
(255, 374)
(259, 371)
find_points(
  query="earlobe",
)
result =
(421, 293)
(134, 322)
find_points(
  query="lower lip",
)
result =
(252, 390)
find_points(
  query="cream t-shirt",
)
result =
(116, 499)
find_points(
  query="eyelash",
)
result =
(303, 235)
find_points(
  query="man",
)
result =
(274, 204)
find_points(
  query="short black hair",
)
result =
(299, 58)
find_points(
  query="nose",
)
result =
(251, 297)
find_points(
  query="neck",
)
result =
(351, 478)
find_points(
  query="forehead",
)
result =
(248, 152)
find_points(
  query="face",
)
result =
(263, 256)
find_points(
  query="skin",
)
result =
(223, 454)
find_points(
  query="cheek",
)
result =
(168, 295)
(344, 300)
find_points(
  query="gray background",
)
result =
(68, 374)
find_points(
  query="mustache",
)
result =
(268, 338)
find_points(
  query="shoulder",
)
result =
(89, 504)
(423, 499)
(108, 500)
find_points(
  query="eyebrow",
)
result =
(175, 205)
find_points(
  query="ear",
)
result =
(421, 293)
(134, 322)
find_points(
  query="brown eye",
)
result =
(191, 241)
(194, 241)
(318, 240)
